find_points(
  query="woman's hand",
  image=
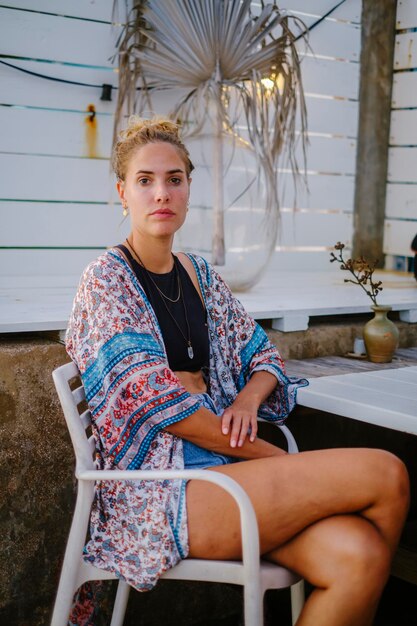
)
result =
(240, 418)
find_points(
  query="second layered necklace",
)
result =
(164, 299)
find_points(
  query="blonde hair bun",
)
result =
(139, 132)
(137, 124)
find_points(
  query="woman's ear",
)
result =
(121, 190)
(188, 199)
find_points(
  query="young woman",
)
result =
(176, 374)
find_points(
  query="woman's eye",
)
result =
(175, 180)
(143, 180)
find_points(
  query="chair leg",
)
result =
(297, 600)
(76, 539)
(253, 605)
(120, 604)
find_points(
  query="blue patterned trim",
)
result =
(148, 415)
(287, 399)
(114, 351)
(275, 369)
(193, 258)
(255, 344)
(176, 530)
(140, 456)
(115, 382)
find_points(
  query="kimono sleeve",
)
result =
(259, 354)
(130, 389)
(249, 350)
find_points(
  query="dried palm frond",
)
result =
(218, 53)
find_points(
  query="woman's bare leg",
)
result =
(347, 561)
(312, 509)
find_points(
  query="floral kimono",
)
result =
(139, 529)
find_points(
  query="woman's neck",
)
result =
(154, 254)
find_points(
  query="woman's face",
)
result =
(156, 190)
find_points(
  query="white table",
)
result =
(387, 397)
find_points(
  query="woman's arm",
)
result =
(242, 415)
(203, 429)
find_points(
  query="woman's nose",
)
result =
(161, 193)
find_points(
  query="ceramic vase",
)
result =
(381, 336)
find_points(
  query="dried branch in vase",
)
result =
(361, 270)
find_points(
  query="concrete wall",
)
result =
(36, 480)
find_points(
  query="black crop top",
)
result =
(175, 345)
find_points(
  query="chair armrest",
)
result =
(248, 522)
(291, 442)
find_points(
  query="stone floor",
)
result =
(332, 365)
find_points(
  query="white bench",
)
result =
(289, 299)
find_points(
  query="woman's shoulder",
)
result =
(205, 270)
(110, 261)
(106, 276)
(196, 259)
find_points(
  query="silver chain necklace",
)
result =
(190, 350)
(150, 277)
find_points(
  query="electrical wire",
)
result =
(54, 78)
(80, 84)
(323, 17)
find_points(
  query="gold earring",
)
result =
(125, 210)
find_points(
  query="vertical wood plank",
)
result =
(378, 36)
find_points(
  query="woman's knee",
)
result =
(364, 553)
(394, 479)
(353, 554)
(399, 478)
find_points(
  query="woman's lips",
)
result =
(163, 213)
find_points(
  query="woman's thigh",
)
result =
(333, 548)
(288, 494)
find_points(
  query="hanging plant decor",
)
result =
(237, 74)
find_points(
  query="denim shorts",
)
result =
(198, 458)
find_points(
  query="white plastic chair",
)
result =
(254, 575)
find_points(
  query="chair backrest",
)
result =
(71, 395)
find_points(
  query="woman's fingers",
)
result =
(239, 424)
(253, 427)
(238, 432)
(226, 419)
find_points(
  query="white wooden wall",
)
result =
(401, 205)
(56, 193)
(324, 215)
(58, 206)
